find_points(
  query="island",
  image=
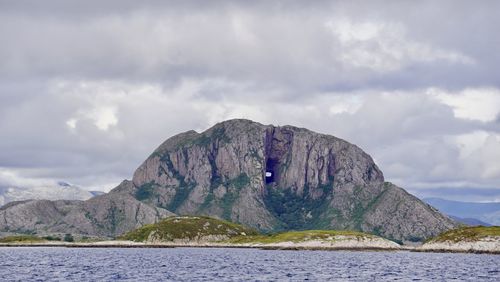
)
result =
(477, 239)
(203, 231)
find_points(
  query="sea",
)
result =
(235, 264)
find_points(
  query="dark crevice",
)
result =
(272, 169)
(277, 147)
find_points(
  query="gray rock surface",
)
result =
(314, 181)
(104, 216)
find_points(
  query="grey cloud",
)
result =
(163, 67)
(283, 45)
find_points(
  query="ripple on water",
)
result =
(198, 264)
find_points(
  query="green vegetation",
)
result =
(241, 181)
(219, 133)
(181, 194)
(467, 234)
(21, 239)
(68, 238)
(197, 227)
(298, 236)
(145, 191)
(51, 238)
(298, 212)
(204, 140)
(233, 190)
(191, 228)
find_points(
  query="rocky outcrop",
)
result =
(483, 245)
(333, 243)
(475, 239)
(267, 177)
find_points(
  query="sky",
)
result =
(89, 89)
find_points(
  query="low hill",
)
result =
(188, 229)
(466, 239)
(317, 239)
(468, 234)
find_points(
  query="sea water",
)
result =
(220, 264)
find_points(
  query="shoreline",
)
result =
(129, 245)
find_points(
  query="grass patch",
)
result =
(51, 238)
(21, 239)
(467, 234)
(184, 227)
(298, 236)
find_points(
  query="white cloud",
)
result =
(71, 123)
(384, 46)
(104, 117)
(344, 104)
(16, 178)
(472, 103)
(480, 154)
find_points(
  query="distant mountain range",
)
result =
(467, 212)
(59, 191)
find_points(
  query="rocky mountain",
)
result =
(107, 215)
(469, 221)
(263, 176)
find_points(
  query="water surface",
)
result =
(211, 264)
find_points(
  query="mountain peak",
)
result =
(278, 177)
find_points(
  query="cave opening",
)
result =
(272, 167)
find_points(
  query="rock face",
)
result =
(103, 216)
(267, 177)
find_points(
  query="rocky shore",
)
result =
(345, 244)
(478, 239)
(484, 246)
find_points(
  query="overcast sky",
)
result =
(88, 89)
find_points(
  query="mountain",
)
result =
(107, 215)
(59, 191)
(469, 221)
(487, 212)
(262, 176)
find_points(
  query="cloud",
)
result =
(10, 178)
(478, 104)
(102, 117)
(89, 90)
(480, 152)
(384, 47)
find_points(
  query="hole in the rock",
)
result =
(269, 177)
(271, 165)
